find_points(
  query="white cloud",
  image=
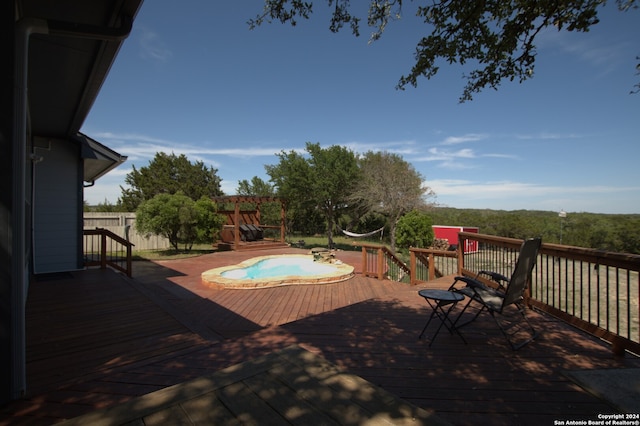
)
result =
(470, 137)
(511, 195)
(137, 146)
(152, 47)
(547, 136)
(406, 147)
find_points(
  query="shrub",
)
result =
(414, 230)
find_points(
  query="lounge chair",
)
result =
(508, 291)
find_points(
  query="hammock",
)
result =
(354, 235)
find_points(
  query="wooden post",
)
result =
(432, 267)
(414, 269)
(461, 244)
(129, 261)
(380, 264)
(236, 224)
(103, 251)
(364, 261)
(283, 217)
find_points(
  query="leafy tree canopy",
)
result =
(180, 219)
(390, 186)
(168, 174)
(270, 212)
(415, 230)
(497, 36)
(257, 187)
(322, 180)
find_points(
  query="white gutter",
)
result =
(20, 265)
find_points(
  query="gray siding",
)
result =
(57, 206)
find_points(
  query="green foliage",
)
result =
(389, 186)
(257, 187)
(168, 174)
(498, 37)
(104, 207)
(611, 232)
(208, 222)
(269, 211)
(180, 219)
(414, 230)
(318, 182)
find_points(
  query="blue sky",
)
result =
(193, 79)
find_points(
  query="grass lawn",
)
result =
(340, 243)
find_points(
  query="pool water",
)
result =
(277, 270)
(278, 267)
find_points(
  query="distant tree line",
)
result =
(610, 232)
(332, 189)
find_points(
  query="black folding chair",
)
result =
(495, 300)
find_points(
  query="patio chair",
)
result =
(508, 291)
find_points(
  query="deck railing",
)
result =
(379, 262)
(429, 264)
(594, 290)
(424, 264)
(104, 248)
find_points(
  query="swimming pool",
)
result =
(277, 270)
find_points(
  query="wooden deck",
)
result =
(96, 339)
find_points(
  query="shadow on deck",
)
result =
(97, 339)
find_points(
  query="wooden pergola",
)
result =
(243, 228)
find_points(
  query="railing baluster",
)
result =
(569, 283)
(110, 250)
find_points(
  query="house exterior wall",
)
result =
(8, 323)
(57, 208)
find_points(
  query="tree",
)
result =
(168, 174)
(180, 219)
(270, 211)
(256, 187)
(322, 181)
(390, 186)
(208, 222)
(105, 206)
(415, 230)
(497, 36)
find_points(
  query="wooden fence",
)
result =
(123, 225)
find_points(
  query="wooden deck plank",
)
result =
(367, 327)
(279, 397)
(209, 410)
(291, 386)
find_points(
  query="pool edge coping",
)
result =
(212, 278)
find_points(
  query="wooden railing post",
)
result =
(103, 251)
(568, 281)
(413, 280)
(103, 260)
(129, 262)
(460, 250)
(432, 266)
(380, 264)
(364, 262)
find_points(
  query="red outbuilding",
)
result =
(450, 233)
